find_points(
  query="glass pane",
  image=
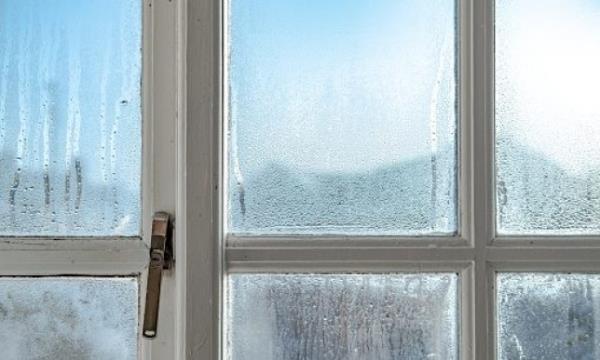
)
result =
(548, 316)
(70, 117)
(352, 317)
(342, 117)
(68, 318)
(548, 116)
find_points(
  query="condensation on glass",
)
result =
(342, 117)
(548, 316)
(68, 318)
(70, 117)
(548, 116)
(342, 316)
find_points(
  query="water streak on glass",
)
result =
(68, 318)
(351, 317)
(342, 117)
(548, 117)
(548, 316)
(70, 117)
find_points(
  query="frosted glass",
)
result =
(548, 116)
(342, 117)
(68, 318)
(70, 117)
(548, 316)
(350, 317)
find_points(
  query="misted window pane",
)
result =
(548, 316)
(353, 317)
(548, 116)
(70, 117)
(68, 318)
(342, 116)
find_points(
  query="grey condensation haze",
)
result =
(342, 316)
(548, 117)
(68, 318)
(548, 316)
(342, 121)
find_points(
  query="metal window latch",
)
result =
(161, 258)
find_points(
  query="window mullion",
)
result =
(369, 259)
(483, 165)
(41, 257)
(199, 239)
(162, 90)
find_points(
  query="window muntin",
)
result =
(70, 117)
(342, 122)
(547, 117)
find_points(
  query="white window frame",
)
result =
(183, 172)
(204, 258)
(129, 256)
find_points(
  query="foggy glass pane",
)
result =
(548, 116)
(70, 117)
(351, 317)
(342, 117)
(68, 318)
(548, 316)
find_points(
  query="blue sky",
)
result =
(70, 92)
(341, 85)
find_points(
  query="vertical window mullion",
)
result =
(200, 258)
(483, 171)
(466, 184)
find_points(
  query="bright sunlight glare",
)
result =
(548, 56)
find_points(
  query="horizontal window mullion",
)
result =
(555, 258)
(73, 257)
(314, 267)
(347, 260)
(322, 259)
(70, 243)
(341, 241)
(66, 241)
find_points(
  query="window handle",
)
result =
(161, 258)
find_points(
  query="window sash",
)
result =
(122, 256)
(477, 253)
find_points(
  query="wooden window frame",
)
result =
(184, 153)
(128, 256)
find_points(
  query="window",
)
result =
(359, 107)
(350, 179)
(395, 179)
(86, 145)
(547, 117)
